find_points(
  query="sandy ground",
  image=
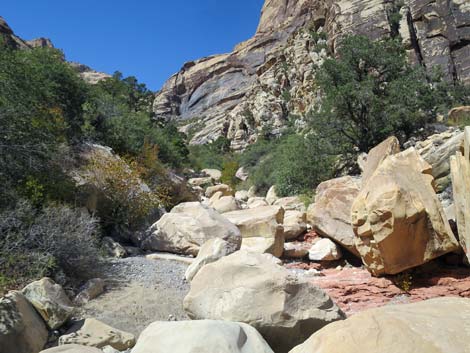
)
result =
(139, 291)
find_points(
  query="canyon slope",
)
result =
(271, 76)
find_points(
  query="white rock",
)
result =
(204, 336)
(324, 250)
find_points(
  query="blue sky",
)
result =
(149, 39)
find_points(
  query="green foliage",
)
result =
(35, 243)
(229, 169)
(118, 115)
(41, 101)
(301, 163)
(371, 92)
(211, 155)
(293, 162)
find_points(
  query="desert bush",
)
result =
(125, 201)
(229, 169)
(211, 155)
(301, 163)
(42, 242)
(372, 92)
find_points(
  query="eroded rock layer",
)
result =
(271, 75)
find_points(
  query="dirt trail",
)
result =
(139, 291)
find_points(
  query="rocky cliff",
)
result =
(270, 76)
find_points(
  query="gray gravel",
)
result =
(139, 292)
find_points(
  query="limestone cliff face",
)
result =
(271, 75)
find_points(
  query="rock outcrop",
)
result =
(50, 300)
(267, 77)
(330, 215)
(261, 228)
(204, 336)
(460, 166)
(188, 226)
(253, 288)
(95, 333)
(397, 218)
(433, 326)
(21, 328)
(211, 251)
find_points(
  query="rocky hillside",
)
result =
(270, 75)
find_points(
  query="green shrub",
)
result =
(371, 92)
(211, 155)
(43, 242)
(229, 169)
(301, 163)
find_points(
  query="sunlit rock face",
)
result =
(271, 75)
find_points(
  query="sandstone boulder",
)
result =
(50, 300)
(113, 248)
(254, 289)
(377, 155)
(432, 326)
(397, 217)
(295, 224)
(437, 150)
(242, 195)
(21, 329)
(72, 348)
(94, 333)
(204, 336)
(254, 202)
(225, 204)
(330, 215)
(324, 250)
(187, 227)
(200, 182)
(291, 203)
(265, 221)
(211, 251)
(213, 173)
(295, 250)
(90, 290)
(242, 174)
(271, 195)
(262, 245)
(224, 189)
(460, 168)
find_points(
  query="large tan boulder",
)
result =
(256, 201)
(271, 195)
(377, 155)
(291, 203)
(225, 204)
(262, 245)
(433, 326)
(324, 250)
(211, 251)
(223, 188)
(21, 328)
(460, 168)
(187, 227)
(264, 221)
(437, 150)
(72, 348)
(50, 300)
(397, 217)
(204, 336)
(261, 228)
(254, 289)
(330, 215)
(213, 173)
(97, 334)
(295, 224)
